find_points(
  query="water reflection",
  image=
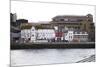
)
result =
(48, 56)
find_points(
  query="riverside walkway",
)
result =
(89, 59)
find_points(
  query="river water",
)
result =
(48, 56)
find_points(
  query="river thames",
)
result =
(48, 56)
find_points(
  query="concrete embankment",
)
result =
(52, 45)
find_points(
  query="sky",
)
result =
(36, 11)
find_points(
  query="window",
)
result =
(84, 26)
(85, 32)
(75, 32)
(90, 20)
(80, 32)
(71, 37)
(79, 20)
(61, 19)
(78, 27)
(33, 35)
(66, 19)
(80, 23)
(32, 29)
(73, 20)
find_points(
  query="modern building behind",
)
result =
(82, 23)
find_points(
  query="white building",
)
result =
(28, 35)
(45, 34)
(33, 35)
(69, 35)
(76, 36)
(25, 35)
(80, 36)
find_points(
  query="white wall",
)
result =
(45, 34)
(33, 34)
(81, 36)
(69, 36)
(25, 33)
(22, 34)
(39, 34)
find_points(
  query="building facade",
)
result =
(62, 25)
(37, 35)
(82, 23)
(80, 36)
(69, 36)
(32, 34)
(45, 34)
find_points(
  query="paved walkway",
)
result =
(89, 59)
